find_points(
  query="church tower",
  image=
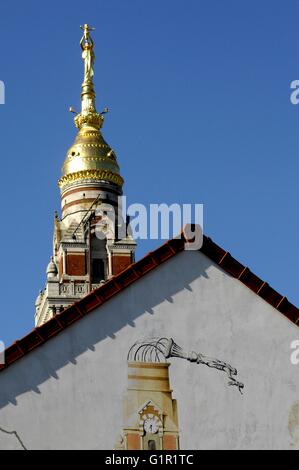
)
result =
(90, 242)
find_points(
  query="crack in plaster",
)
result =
(14, 433)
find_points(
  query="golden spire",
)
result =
(88, 113)
(90, 157)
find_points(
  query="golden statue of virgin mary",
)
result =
(88, 55)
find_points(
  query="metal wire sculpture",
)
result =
(160, 349)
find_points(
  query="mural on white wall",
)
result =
(157, 349)
(151, 420)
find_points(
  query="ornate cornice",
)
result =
(99, 175)
(92, 118)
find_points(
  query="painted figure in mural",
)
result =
(88, 55)
(152, 350)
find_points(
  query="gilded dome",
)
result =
(90, 157)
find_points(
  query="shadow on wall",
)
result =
(154, 288)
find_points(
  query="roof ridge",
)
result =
(135, 271)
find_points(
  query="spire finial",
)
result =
(88, 115)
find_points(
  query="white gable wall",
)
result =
(68, 394)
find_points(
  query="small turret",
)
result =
(52, 270)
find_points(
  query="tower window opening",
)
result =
(97, 270)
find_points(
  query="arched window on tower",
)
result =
(97, 270)
(98, 262)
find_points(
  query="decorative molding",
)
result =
(81, 245)
(105, 175)
(102, 186)
(91, 119)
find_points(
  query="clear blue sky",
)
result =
(199, 103)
